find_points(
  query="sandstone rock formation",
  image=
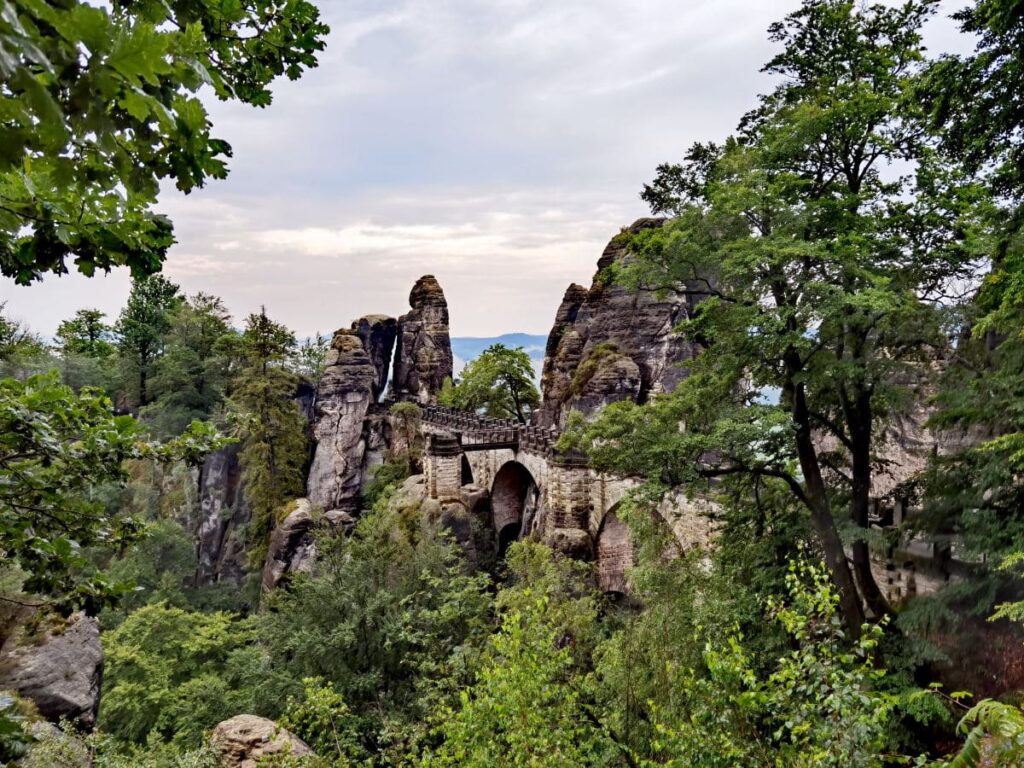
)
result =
(611, 343)
(223, 512)
(292, 546)
(60, 672)
(343, 401)
(244, 740)
(378, 333)
(423, 357)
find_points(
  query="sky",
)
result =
(496, 144)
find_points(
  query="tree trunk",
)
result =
(821, 516)
(859, 426)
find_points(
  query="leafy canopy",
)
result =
(98, 105)
(56, 449)
(821, 275)
(500, 383)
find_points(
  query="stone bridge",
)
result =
(511, 475)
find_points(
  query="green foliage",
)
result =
(323, 720)
(56, 449)
(191, 376)
(21, 351)
(523, 709)
(171, 674)
(159, 566)
(818, 275)
(529, 704)
(99, 106)
(310, 358)
(820, 706)
(270, 426)
(14, 738)
(390, 621)
(85, 334)
(993, 735)
(974, 99)
(499, 383)
(110, 754)
(141, 328)
(86, 348)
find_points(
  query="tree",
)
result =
(819, 706)
(311, 356)
(500, 383)
(975, 99)
(86, 347)
(530, 702)
(391, 620)
(56, 449)
(171, 674)
(100, 106)
(270, 426)
(141, 328)
(19, 347)
(822, 279)
(190, 378)
(85, 334)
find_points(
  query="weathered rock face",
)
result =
(60, 673)
(423, 357)
(223, 512)
(244, 740)
(292, 546)
(611, 343)
(343, 400)
(378, 333)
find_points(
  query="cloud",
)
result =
(497, 145)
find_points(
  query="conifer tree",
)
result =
(269, 425)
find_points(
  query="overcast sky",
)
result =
(497, 144)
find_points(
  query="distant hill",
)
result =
(466, 348)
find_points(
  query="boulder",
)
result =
(378, 334)
(292, 547)
(613, 343)
(59, 671)
(423, 356)
(343, 400)
(244, 740)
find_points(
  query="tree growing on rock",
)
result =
(499, 383)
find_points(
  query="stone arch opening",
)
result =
(514, 496)
(467, 471)
(615, 554)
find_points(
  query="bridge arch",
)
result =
(466, 471)
(514, 498)
(615, 553)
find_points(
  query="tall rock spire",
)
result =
(423, 355)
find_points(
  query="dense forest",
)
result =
(854, 253)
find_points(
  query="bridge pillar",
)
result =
(569, 505)
(443, 467)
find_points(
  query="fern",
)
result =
(994, 727)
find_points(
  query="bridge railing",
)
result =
(478, 429)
